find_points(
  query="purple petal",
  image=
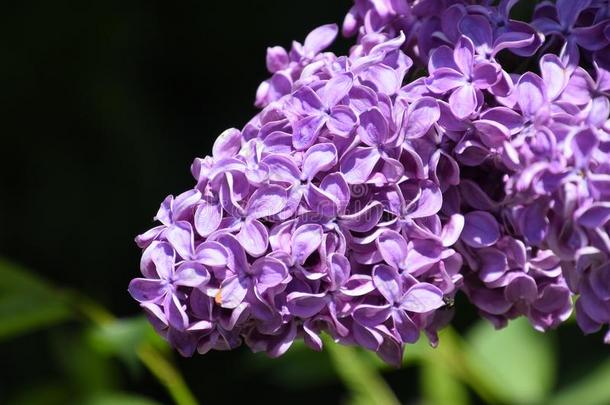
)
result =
(387, 281)
(227, 144)
(254, 237)
(494, 264)
(144, 289)
(367, 337)
(306, 239)
(320, 38)
(336, 89)
(423, 113)
(382, 78)
(505, 116)
(393, 248)
(594, 216)
(372, 315)
(478, 29)
(163, 257)
(480, 229)
(358, 164)
(207, 218)
(211, 254)
(421, 298)
(180, 235)
(338, 270)
(444, 80)
(568, 10)
(452, 230)
(463, 101)
(583, 143)
(463, 54)
(486, 75)
(175, 313)
(321, 202)
(534, 222)
(306, 131)
(305, 305)
(191, 274)
(269, 273)
(365, 219)
(237, 256)
(522, 288)
(441, 57)
(373, 129)
(232, 291)
(429, 201)
(282, 169)
(335, 185)
(276, 59)
(319, 158)
(342, 120)
(554, 75)
(532, 94)
(266, 201)
(408, 331)
(493, 134)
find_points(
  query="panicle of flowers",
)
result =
(373, 187)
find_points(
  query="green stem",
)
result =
(167, 374)
(367, 385)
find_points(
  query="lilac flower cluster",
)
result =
(373, 187)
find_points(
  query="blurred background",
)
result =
(105, 105)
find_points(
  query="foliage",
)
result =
(515, 365)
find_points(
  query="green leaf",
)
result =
(359, 375)
(299, 368)
(119, 398)
(123, 337)
(86, 370)
(27, 303)
(590, 390)
(517, 362)
(439, 386)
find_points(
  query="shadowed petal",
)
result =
(480, 229)
(144, 289)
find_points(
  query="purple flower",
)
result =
(365, 193)
(459, 74)
(562, 20)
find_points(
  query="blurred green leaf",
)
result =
(123, 337)
(451, 353)
(119, 398)
(593, 389)
(299, 368)
(517, 362)
(359, 375)
(439, 386)
(26, 302)
(86, 370)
